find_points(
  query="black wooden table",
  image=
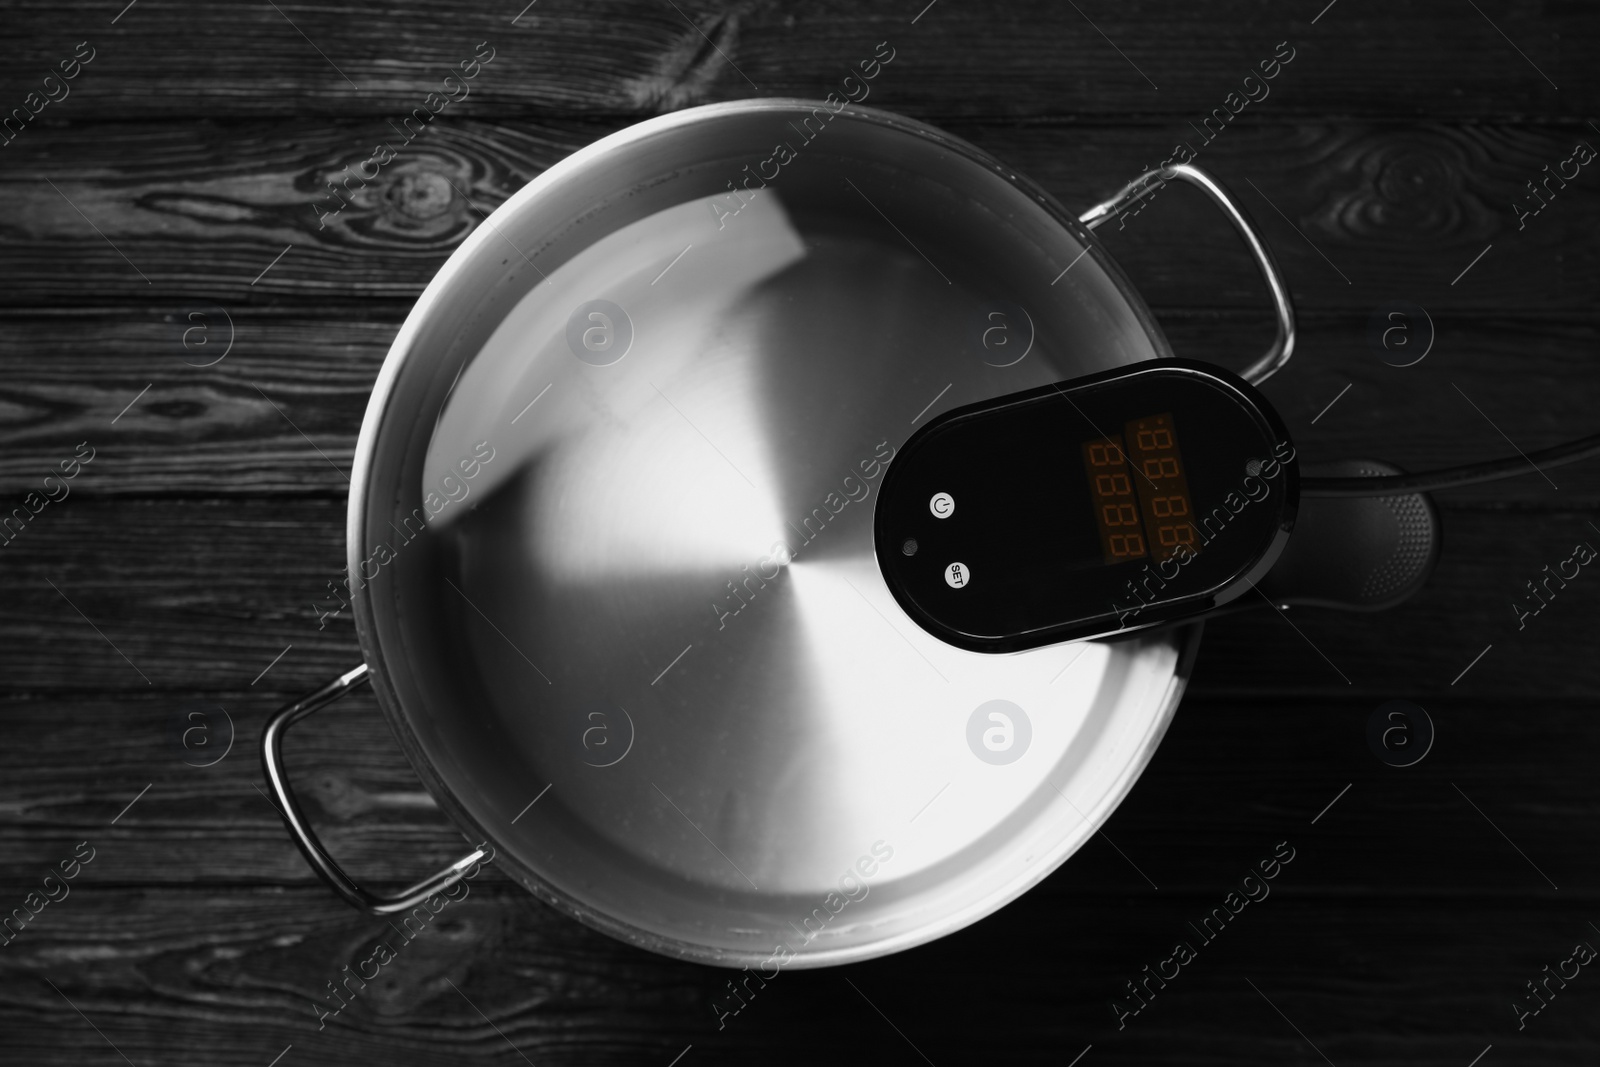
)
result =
(183, 306)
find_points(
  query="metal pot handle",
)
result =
(300, 828)
(1142, 186)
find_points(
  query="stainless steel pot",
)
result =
(610, 539)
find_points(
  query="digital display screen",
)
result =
(1140, 492)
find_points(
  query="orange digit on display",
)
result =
(1126, 545)
(1112, 485)
(1116, 505)
(1163, 490)
(1161, 467)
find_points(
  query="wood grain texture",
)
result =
(233, 977)
(1232, 771)
(1357, 212)
(635, 57)
(280, 413)
(199, 595)
(143, 218)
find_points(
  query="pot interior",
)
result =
(614, 520)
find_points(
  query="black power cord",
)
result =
(1451, 477)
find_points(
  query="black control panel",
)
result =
(1100, 505)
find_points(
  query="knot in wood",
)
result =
(420, 194)
(1411, 175)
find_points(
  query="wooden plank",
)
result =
(233, 976)
(183, 617)
(199, 596)
(229, 977)
(1264, 742)
(204, 217)
(1358, 213)
(635, 57)
(280, 413)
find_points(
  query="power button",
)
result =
(942, 505)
